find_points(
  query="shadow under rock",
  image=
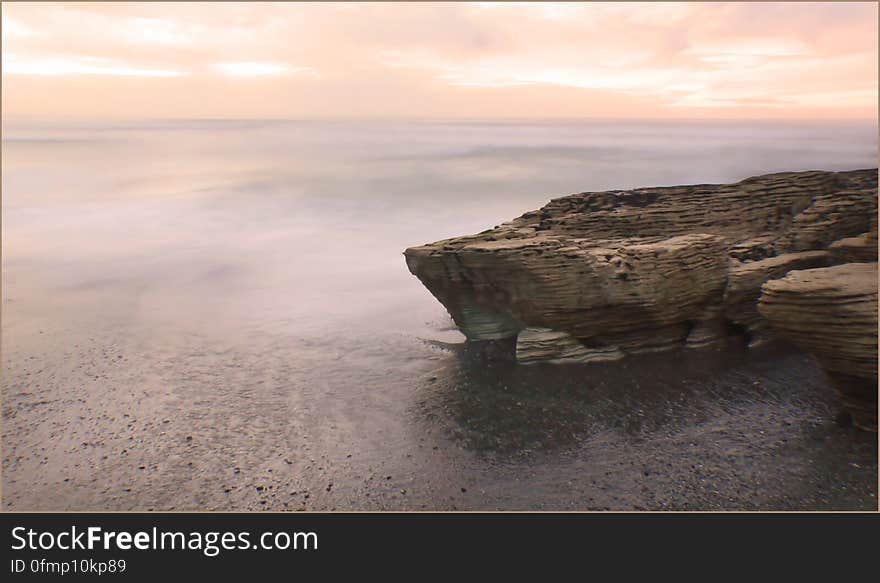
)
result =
(501, 409)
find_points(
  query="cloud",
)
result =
(157, 31)
(252, 69)
(302, 59)
(55, 66)
(13, 28)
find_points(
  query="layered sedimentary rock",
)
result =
(744, 281)
(600, 275)
(832, 313)
(861, 249)
(544, 345)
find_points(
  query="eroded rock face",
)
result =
(832, 313)
(650, 269)
(537, 345)
(744, 281)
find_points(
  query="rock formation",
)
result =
(832, 313)
(601, 275)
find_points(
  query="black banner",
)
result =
(228, 545)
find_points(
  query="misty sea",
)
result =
(216, 314)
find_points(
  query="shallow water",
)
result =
(217, 314)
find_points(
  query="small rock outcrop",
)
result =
(649, 269)
(832, 313)
(598, 276)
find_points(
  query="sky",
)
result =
(441, 60)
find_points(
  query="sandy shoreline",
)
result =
(94, 425)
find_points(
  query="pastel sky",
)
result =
(441, 60)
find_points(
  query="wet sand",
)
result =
(97, 425)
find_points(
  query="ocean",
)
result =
(216, 314)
